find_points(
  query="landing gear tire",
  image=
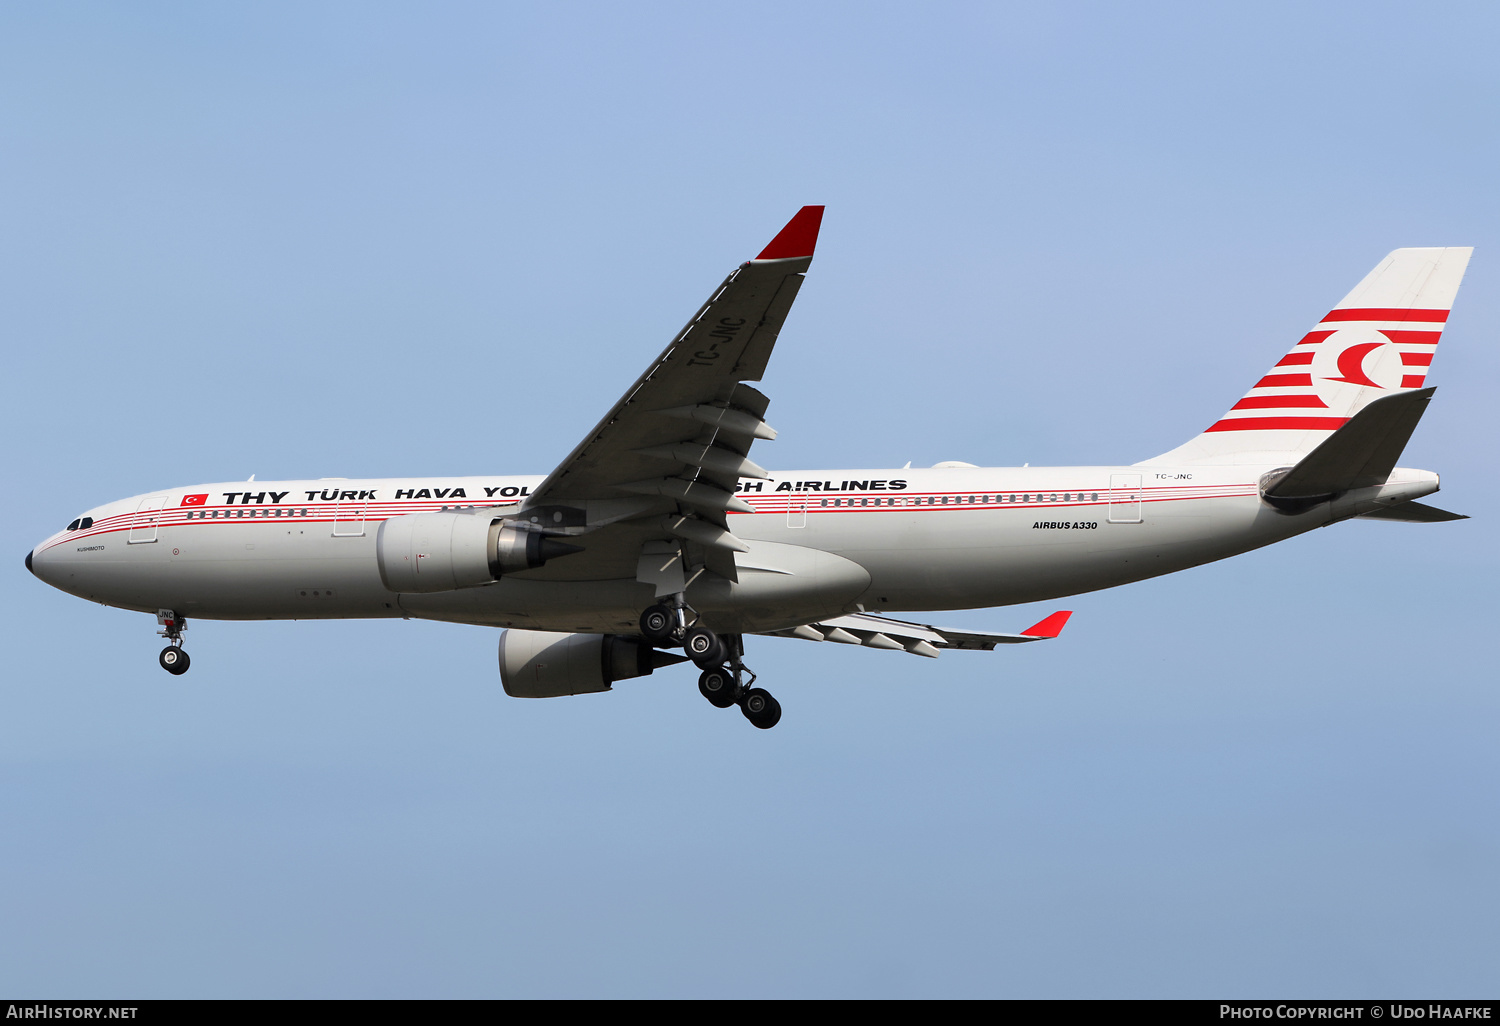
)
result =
(657, 623)
(174, 660)
(717, 685)
(761, 709)
(704, 647)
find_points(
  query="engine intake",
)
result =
(426, 552)
(545, 664)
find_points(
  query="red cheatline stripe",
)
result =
(1413, 380)
(1280, 402)
(1281, 424)
(1312, 338)
(1417, 359)
(1412, 338)
(1296, 360)
(1383, 313)
(1282, 381)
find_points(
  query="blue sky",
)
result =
(364, 240)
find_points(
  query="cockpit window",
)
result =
(81, 524)
(75, 525)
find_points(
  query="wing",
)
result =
(918, 638)
(665, 460)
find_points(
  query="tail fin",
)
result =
(1378, 341)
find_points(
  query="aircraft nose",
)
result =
(40, 564)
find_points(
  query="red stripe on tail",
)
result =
(1281, 424)
(1282, 381)
(1382, 313)
(1280, 402)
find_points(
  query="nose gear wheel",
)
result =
(174, 659)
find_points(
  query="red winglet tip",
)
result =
(1051, 627)
(798, 238)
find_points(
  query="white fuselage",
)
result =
(821, 543)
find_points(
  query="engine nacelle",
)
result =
(545, 664)
(425, 552)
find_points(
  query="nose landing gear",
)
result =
(173, 658)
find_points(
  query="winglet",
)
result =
(798, 238)
(1051, 627)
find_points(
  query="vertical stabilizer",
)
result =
(1378, 341)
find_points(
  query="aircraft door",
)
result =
(147, 515)
(796, 512)
(1124, 498)
(349, 519)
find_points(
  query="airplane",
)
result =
(658, 534)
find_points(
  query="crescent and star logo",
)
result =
(1357, 357)
(1352, 364)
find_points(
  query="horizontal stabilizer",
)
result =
(1413, 513)
(918, 638)
(1361, 454)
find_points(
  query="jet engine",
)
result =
(424, 552)
(545, 664)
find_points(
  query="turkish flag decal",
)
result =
(195, 500)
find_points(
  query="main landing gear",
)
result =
(726, 686)
(174, 659)
(723, 685)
